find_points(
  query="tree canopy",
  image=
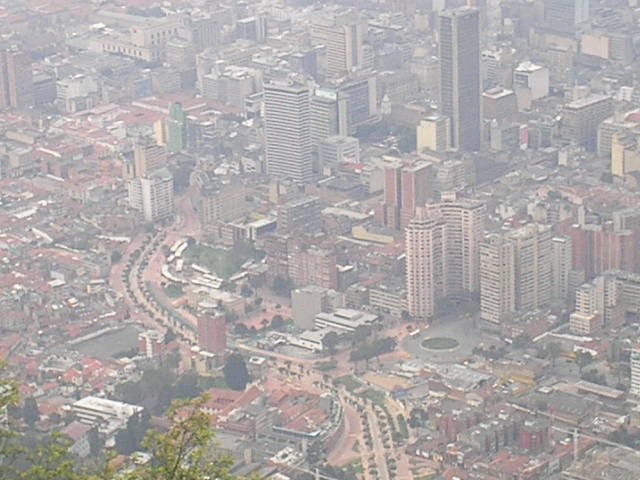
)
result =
(235, 372)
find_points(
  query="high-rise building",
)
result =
(287, 131)
(337, 149)
(564, 15)
(313, 266)
(299, 214)
(581, 118)
(328, 115)
(459, 36)
(530, 82)
(425, 249)
(603, 246)
(342, 33)
(176, 128)
(252, 28)
(561, 255)
(152, 195)
(361, 101)
(532, 246)
(634, 387)
(212, 332)
(147, 157)
(434, 133)
(151, 344)
(16, 79)
(464, 220)
(406, 187)
(219, 203)
(497, 279)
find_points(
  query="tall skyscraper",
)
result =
(533, 258)
(176, 128)
(425, 244)
(406, 187)
(148, 156)
(287, 131)
(464, 220)
(581, 118)
(497, 279)
(328, 115)
(561, 253)
(342, 33)
(16, 79)
(565, 15)
(460, 75)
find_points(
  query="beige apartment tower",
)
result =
(464, 221)
(533, 255)
(148, 156)
(425, 241)
(497, 279)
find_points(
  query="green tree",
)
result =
(553, 350)
(241, 329)
(330, 342)
(281, 286)
(30, 411)
(583, 359)
(277, 322)
(169, 337)
(235, 372)
(184, 451)
(407, 141)
(95, 442)
(116, 256)
(130, 438)
(360, 334)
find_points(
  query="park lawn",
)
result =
(222, 262)
(349, 382)
(173, 291)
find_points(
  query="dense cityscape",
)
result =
(362, 240)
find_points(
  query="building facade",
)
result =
(459, 36)
(287, 132)
(425, 248)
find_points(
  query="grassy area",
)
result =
(440, 343)
(326, 366)
(223, 262)
(349, 382)
(355, 467)
(378, 398)
(173, 291)
(403, 430)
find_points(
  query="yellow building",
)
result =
(625, 157)
(433, 133)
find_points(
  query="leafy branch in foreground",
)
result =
(185, 452)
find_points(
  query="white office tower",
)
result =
(152, 195)
(287, 131)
